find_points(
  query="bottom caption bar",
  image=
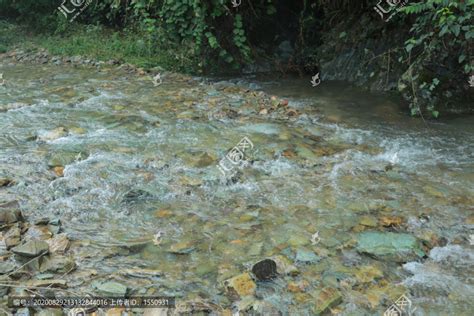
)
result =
(101, 302)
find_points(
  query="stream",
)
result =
(341, 188)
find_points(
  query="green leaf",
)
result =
(435, 114)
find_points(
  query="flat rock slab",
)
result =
(111, 289)
(393, 246)
(32, 248)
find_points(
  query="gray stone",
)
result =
(6, 267)
(111, 289)
(306, 256)
(10, 213)
(4, 289)
(57, 264)
(31, 248)
(392, 246)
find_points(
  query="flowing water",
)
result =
(141, 159)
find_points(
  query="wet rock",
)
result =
(298, 287)
(142, 273)
(44, 276)
(58, 244)
(47, 283)
(38, 232)
(6, 267)
(13, 237)
(182, 248)
(368, 221)
(5, 182)
(285, 266)
(65, 158)
(54, 226)
(59, 171)
(240, 285)
(368, 274)
(388, 221)
(10, 213)
(134, 196)
(4, 289)
(326, 299)
(255, 249)
(31, 249)
(204, 160)
(306, 256)
(57, 264)
(111, 288)
(392, 246)
(265, 270)
(53, 134)
(298, 240)
(42, 221)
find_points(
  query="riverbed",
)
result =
(356, 202)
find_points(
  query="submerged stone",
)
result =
(265, 270)
(394, 246)
(111, 289)
(326, 299)
(306, 256)
(241, 285)
(182, 248)
(60, 159)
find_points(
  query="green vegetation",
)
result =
(432, 40)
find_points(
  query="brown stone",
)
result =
(59, 171)
(241, 285)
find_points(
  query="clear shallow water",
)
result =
(144, 160)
